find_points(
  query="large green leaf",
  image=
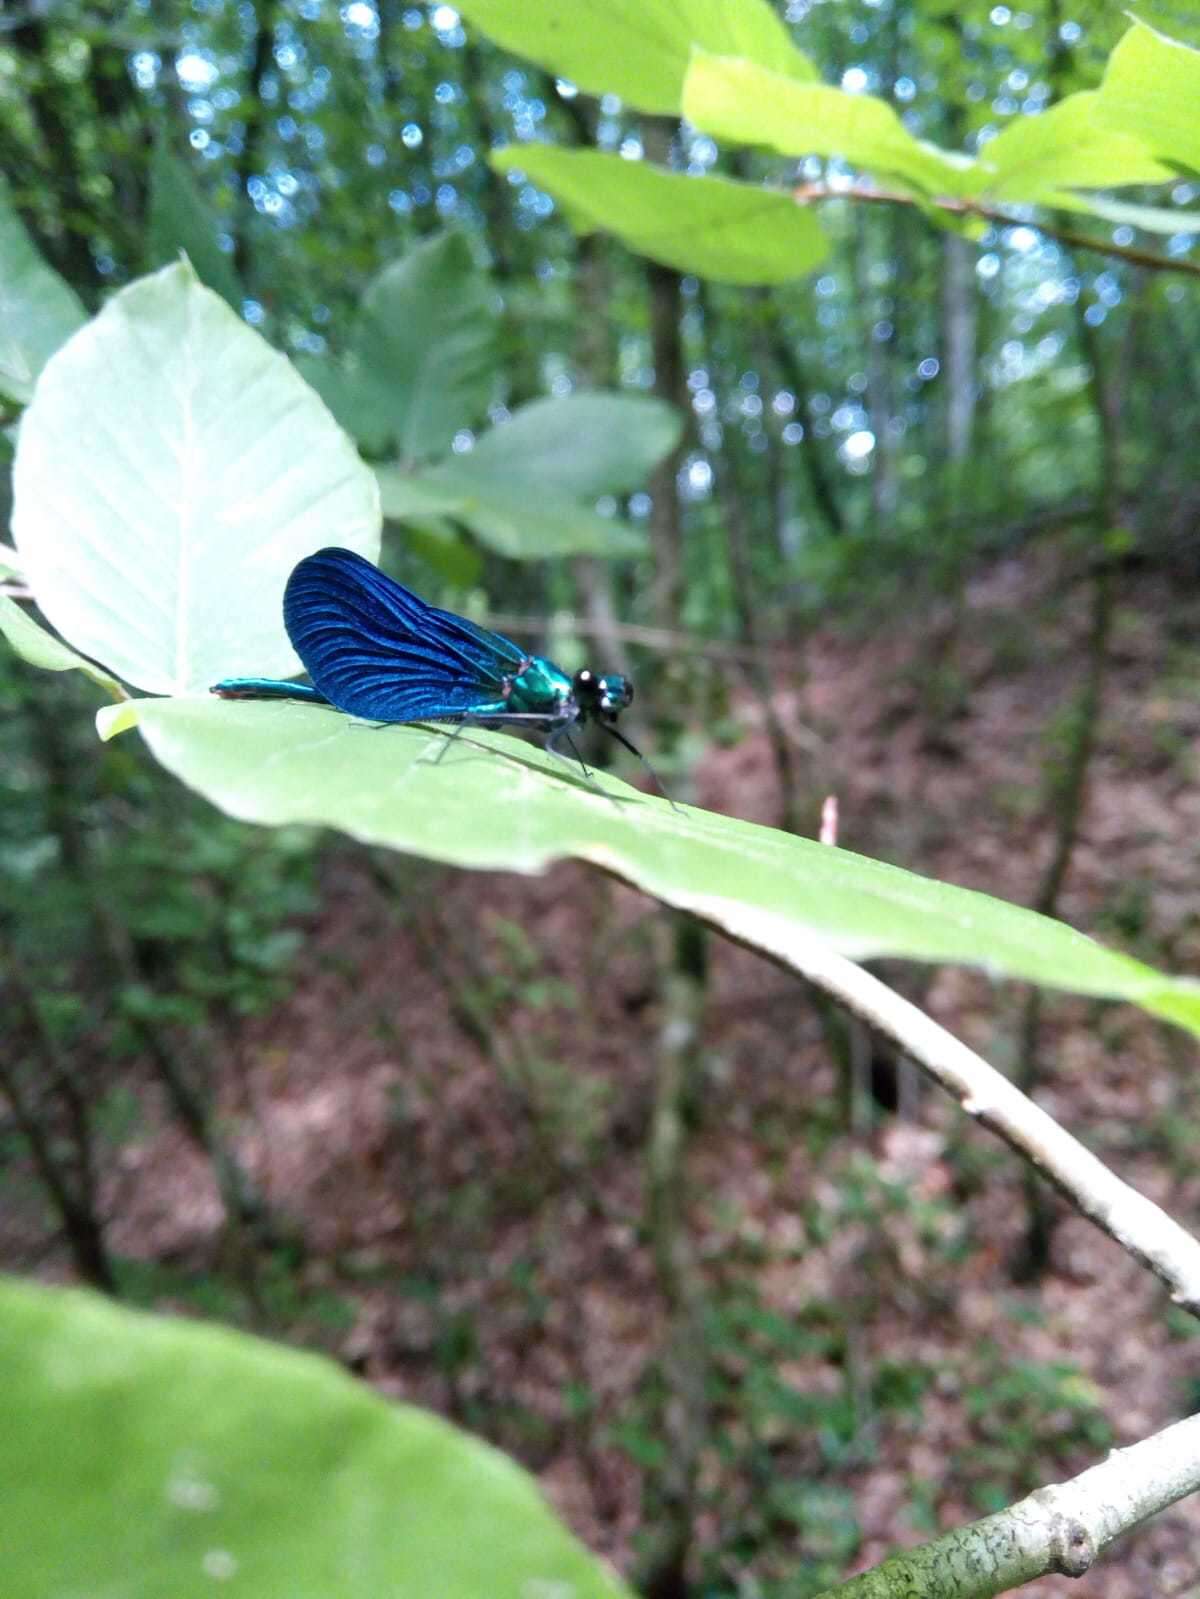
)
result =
(730, 232)
(512, 516)
(583, 445)
(38, 310)
(403, 495)
(181, 220)
(524, 488)
(171, 469)
(33, 644)
(638, 49)
(358, 402)
(521, 521)
(485, 800)
(748, 103)
(149, 1458)
(427, 336)
(1151, 90)
(1065, 147)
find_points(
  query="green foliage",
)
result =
(272, 1295)
(327, 1490)
(40, 648)
(579, 447)
(638, 49)
(425, 344)
(181, 222)
(741, 94)
(778, 1520)
(1022, 1412)
(506, 510)
(488, 801)
(424, 362)
(194, 443)
(1067, 147)
(423, 358)
(746, 102)
(729, 232)
(38, 311)
(213, 912)
(1150, 91)
(1029, 161)
(1149, 218)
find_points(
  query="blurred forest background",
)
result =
(533, 1152)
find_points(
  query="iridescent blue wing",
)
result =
(374, 649)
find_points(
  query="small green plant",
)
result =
(1025, 1414)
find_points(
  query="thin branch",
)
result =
(808, 193)
(670, 641)
(1062, 1528)
(1132, 1220)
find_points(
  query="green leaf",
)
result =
(638, 49)
(1065, 147)
(170, 471)
(744, 102)
(444, 550)
(514, 515)
(525, 523)
(152, 1458)
(1149, 218)
(181, 220)
(33, 644)
(1177, 19)
(359, 404)
(38, 310)
(730, 232)
(427, 336)
(522, 489)
(492, 802)
(583, 445)
(411, 494)
(1151, 90)
(11, 564)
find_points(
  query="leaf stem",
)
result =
(1135, 1222)
(1062, 1528)
(809, 193)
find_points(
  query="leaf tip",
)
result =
(114, 719)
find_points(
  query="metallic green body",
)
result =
(541, 689)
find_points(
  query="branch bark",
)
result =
(1128, 1217)
(1062, 1528)
(808, 193)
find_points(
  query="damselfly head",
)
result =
(603, 698)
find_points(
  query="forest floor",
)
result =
(454, 1105)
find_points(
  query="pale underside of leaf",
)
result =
(488, 801)
(33, 644)
(201, 469)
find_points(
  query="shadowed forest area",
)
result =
(829, 370)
